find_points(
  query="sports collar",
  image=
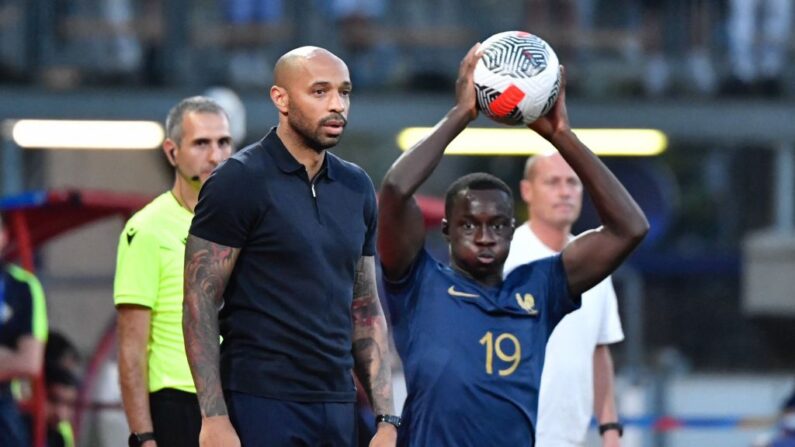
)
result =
(285, 160)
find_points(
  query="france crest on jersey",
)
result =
(473, 355)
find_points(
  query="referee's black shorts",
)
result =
(176, 418)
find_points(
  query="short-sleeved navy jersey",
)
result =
(286, 321)
(473, 355)
(22, 309)
(16, 310)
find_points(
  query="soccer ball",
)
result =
(517, 79)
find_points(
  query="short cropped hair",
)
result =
(476, 181)
(56, 375)
(199, 104)
(59, 347)
(529, 167)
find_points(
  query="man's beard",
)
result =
(311, 137)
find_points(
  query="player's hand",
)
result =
(465, 85)
(556, 120)
(385, 436)
(217, 431)
(611, 439)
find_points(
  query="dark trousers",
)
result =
(13, 430)
(176, 418)
(262, 422)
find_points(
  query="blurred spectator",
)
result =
(62, 385)
(665, 19)
(61, 353)
(23, 331)
(358, 22)
(151, 30)
(61, 367)
(559, 22)
(249, 64)
(11, 40)
(759, 33)
(253, 11)
(121, 53)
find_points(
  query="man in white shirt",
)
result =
(578, 372)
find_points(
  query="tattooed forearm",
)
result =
(374, 373)
(370, 342)
(207, 270)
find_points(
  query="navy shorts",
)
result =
(275, 423)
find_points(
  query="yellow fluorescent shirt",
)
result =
(149, 270)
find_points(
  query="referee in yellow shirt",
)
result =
(157, 388)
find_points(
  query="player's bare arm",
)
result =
(207, 270)
(401, 228)
(604, 396)
(25, 361)
(592, 256)
(370, 340)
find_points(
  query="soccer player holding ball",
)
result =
(472, 344)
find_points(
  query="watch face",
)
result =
(132, 441)
(394, 420)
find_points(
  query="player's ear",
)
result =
(168, 148)
(526, 191)
(279, 98)
(446, 229)
(513, 229)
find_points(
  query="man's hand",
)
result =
(217, 431)
(556, 120)
(385, 436)
(465, 85)
(611, 439)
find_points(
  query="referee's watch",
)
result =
(618, 426)
(138, 439)
(389, 419)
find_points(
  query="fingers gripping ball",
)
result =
(517, 79)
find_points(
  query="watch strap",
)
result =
(618, 426)
(389, 419)
(137, 439)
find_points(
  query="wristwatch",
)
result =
(618, 426)
(138, 439)
(389, 419)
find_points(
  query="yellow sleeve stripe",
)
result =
(39, 302)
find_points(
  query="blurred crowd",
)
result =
(654, 48)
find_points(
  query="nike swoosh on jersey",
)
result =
(453, 292)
